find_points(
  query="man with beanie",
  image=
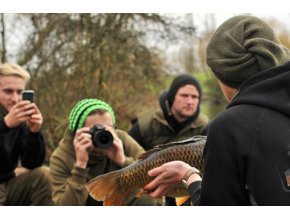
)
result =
(83, 154)
(177, 119)
(247, 153)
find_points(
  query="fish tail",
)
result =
(181, 200)
(104, 188)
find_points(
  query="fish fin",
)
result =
(140, 192)
(115, 200)
(170, 144)
(104, 188)
(149, 152)
(181, 200)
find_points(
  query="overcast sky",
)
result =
(282, 17)
(145, 6)
(223, 8)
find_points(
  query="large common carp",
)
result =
(114, 187)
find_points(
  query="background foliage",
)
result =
(120, 58)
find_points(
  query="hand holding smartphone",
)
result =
(28, 95)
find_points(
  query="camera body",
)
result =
(28, 95)
(101, 137)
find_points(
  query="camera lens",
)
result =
(101, 137)
(104, 138)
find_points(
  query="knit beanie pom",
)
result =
(83, 108)
(241, 47)
(179, 81)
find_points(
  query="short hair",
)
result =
(8, 69)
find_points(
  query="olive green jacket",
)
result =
(155, 130)
(68, 181)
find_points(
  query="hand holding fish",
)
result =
(114, 187)
(167, 178)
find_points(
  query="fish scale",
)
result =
(114, 186)
(127, 179)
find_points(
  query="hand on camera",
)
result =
(82, 145)
(115, 152)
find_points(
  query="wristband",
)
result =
(186, 176)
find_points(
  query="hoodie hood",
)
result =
(269, 88)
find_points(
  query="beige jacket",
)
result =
(68, 181)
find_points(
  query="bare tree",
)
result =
(105, 56)
(3, 33)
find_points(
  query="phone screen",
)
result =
(28, 95)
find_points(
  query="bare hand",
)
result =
(82, 145)
(168, 177)
(35, 120)
(115, 152)
(19, 113)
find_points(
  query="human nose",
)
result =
(193, 100)
(15, 97)
(190, 100)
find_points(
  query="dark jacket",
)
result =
(19, 144)
(247, 153)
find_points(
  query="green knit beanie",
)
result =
(83, 108)
(241, 47)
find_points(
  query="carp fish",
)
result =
(112, 188)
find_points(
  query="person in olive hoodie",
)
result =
(178, 118)
(77, 159)
(21, 143)
(247, 153)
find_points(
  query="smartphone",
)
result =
(28, 95)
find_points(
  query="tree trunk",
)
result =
(3, 57)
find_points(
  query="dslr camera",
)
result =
(101, 137)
